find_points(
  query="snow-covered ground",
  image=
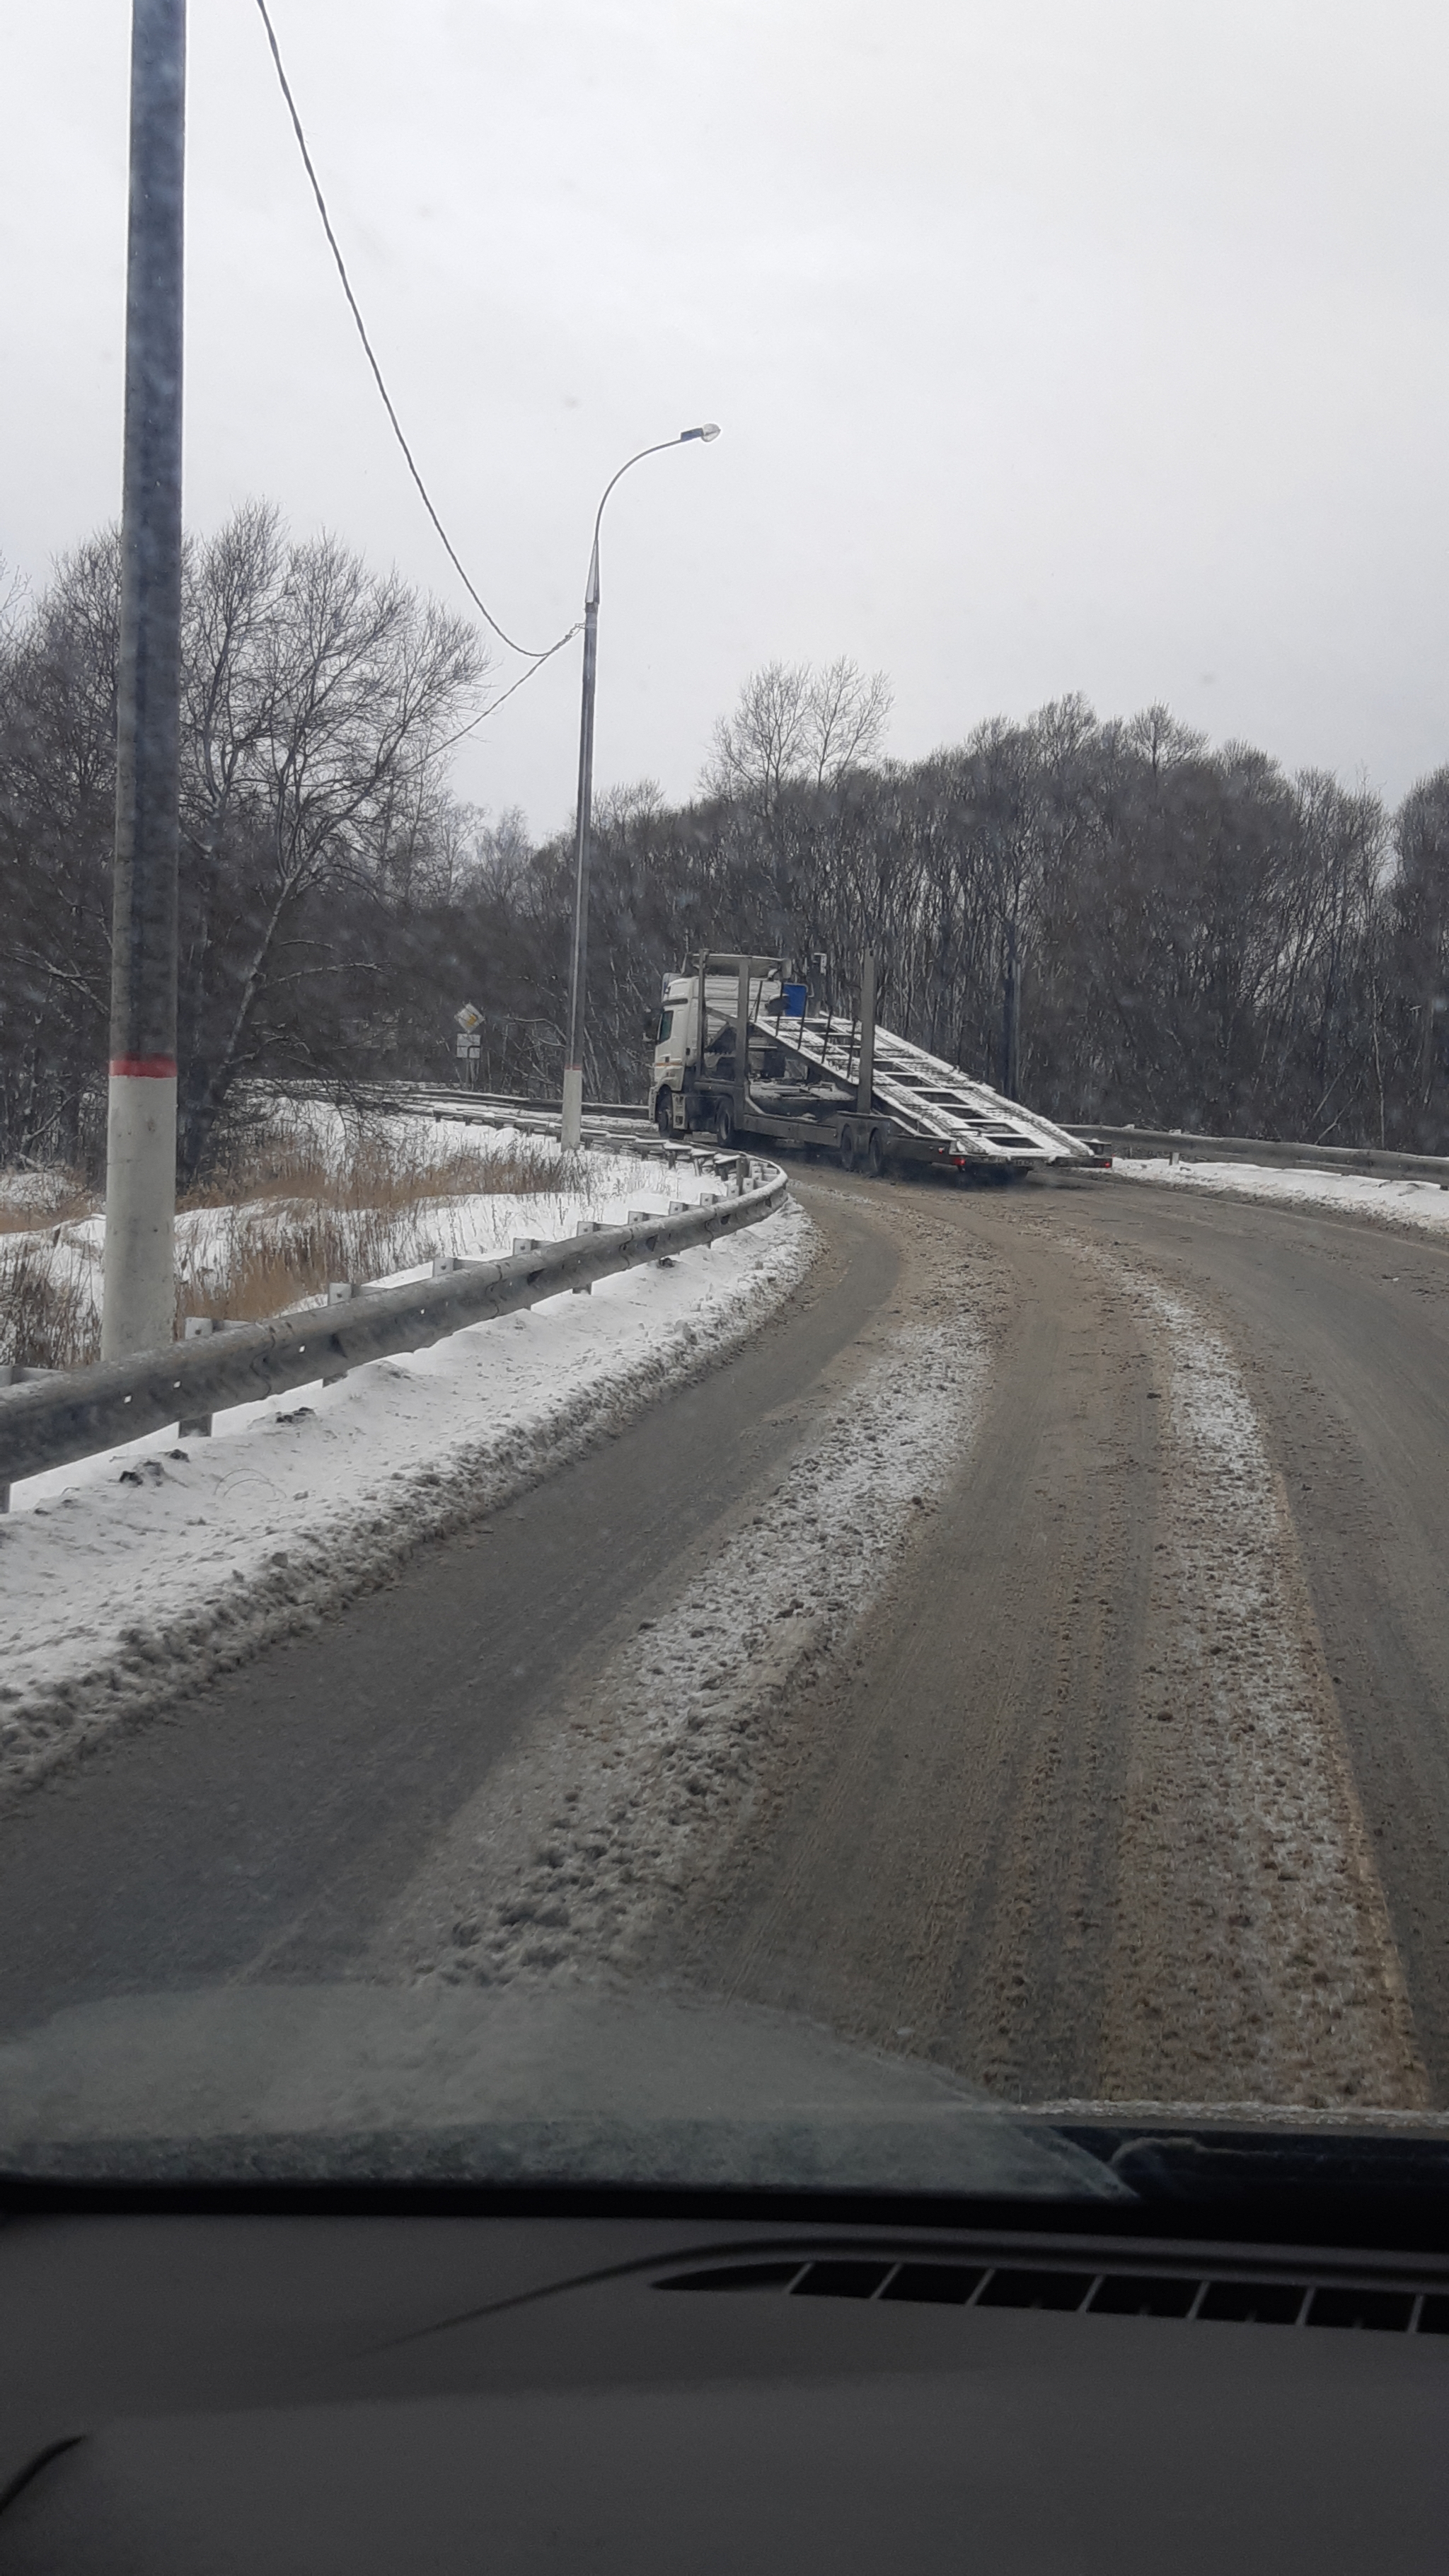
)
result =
(133, 1575)
(1422, 1204)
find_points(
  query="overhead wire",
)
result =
(535, 658)
(495, 703)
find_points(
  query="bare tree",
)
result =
(1161, 740)
(1421, 835)
(503, 854)
(57, 819)
(846, 716)
(793, 725)
(766, 740)
(320, 696)
(12, 592)
(618, 807)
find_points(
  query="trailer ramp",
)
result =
(925, 1096)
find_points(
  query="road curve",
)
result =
(264, 1824)
(1130, 1779)
(985, 1842)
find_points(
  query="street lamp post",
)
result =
(571, 1130)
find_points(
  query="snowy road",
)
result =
(1031, 1649)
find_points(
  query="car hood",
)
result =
(511, 2085)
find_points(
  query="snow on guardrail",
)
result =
(1185, 1145)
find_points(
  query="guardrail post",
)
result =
(340, 1292)
(16, 1373)
(197, 1426)
(588, 1225)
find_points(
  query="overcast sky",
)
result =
(1058, 345)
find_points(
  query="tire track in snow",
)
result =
(1253, 1960)
(566, 1861)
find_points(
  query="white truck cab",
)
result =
(696, 1085)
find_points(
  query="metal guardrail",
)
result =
(1154, 1142)
(506, 1108)
(51, 1422)
(510, 1109)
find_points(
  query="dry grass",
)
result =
(300, 1212)
(47, 1316)
(376, 1169)
(261, 1261)
(30, 1201)
(294, 1209)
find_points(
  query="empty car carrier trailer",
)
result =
(739, 1051)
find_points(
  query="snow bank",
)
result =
(1421, 1204)
(133, 1576)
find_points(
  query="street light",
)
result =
(572, 1127)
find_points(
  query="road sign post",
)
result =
(470, 1043)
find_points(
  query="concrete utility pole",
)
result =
(572, 1125)
(139, 1309)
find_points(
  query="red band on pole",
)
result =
(158, 1068)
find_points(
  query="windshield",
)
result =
(724, 1089)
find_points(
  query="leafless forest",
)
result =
(1203, 940)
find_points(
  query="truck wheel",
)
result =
(664, 1113)
(724, 1124)
(847, 1149)
(874, 1155)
